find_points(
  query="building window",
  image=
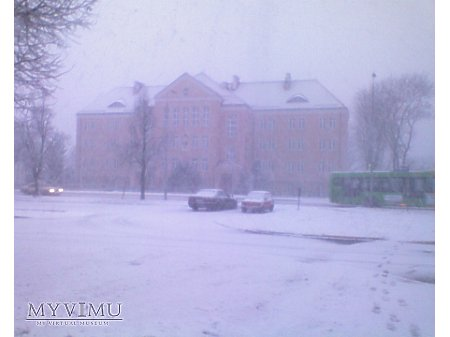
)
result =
(204, 164)
(322, 167)
(230, 155)
(295, 123)
(332, 123)
(322, 123)
(292, 123)
(204, 142)
(184, 142)
(115, 125)
(327, 123)
(185, 117)
(166, 118)
(295, 167)
(174, 142)
(301, 123)
(267, 144)
(195, 142)
(326, 166)
(296, 144)
(267, 124)
(205, 116)
(175, 117)
(195, 117)
(326, 144)
(267, 165)
(195, 164)
(232, 126)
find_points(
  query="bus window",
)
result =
(396, 185)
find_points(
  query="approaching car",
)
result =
(258, 201)
(211, 199)
(44, 189)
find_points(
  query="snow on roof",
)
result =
(302, 94)
(120, 99)
(305, 94)
(228, 96)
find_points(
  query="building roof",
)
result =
(119, 100)
(273, 95)
(302, 94)
(229, 96)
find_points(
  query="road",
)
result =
(320, 271)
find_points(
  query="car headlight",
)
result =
(51, 190)
(60, 190)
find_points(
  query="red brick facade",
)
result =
(277, 136)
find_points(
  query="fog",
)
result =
(340, 43)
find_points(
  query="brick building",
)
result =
(278, 135)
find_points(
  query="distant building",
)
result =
(278, 135)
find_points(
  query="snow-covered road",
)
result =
(317, 271)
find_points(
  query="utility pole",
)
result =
(371, 201)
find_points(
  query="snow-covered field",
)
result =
(317, 271)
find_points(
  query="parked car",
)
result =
(211, 199)
(258, 201)
(44, 189)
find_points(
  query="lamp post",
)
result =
(372, 163)
(373, 93)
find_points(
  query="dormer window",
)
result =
(117, 104)
(298, 98)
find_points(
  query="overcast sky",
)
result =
(339, 42)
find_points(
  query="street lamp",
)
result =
(372, 163)
(373, 94)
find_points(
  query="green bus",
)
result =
(378, 189)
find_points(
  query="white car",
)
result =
(258, 201)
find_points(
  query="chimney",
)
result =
(137, 87)
(236, 82)
(287, 81)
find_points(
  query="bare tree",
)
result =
(55, 163)
(386, 116)
(41, 29)
(369, 137)
(404, 101)
(142, 145)
(184, 178)
(33, 132)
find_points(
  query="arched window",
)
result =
(117, 104)
(297, 98)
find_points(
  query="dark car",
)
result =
(211, 199)
(44, 189)
(258, 201)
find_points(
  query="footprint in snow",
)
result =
(394, 318)
(402, 302)
(391, 326)
(376, 309)
(414, 330)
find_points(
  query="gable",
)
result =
(187, 87)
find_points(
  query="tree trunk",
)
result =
(143, 174)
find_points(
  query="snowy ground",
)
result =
(318, 271)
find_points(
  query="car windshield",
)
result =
(207, 193)
(256, 195)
